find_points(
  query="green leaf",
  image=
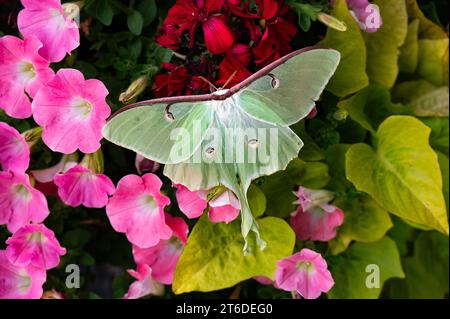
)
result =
(423, 98)
(402, 234)
(278, 189)
(439, 138)
(100, 9)
(305, 13)
(444, 165)
(370, 106)
(336, 164)
(409, 52)
(256, 200)
(135, 22)
(402, 174)
(213, 257)
(383, 45)
(427, 271)
(308, 174)
(350, 75)
(428, 29)
(149, 10)
(350, 274)
(310, 150)
(364, 221)
(433, 60)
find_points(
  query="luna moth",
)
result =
(199, 137)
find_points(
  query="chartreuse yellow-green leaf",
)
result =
(354, 271)
(423, 98)
(426, 272)
(409, 52)
(427, 28)
(402, 173)
(350, 75)
(365, 221)
(383, 45)
(433, 60)
(213, 258)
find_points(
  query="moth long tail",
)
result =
(249, 224)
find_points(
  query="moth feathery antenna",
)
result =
(210, 84)
(229, 79)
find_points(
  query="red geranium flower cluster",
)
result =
(244, 35)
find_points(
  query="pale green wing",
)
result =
(154, 133)
(237, 149)
(290, 90)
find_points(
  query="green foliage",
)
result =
(213, 258)
(352, 270)
(383, 46)
(365, 221)
(402, 173)
(350, 75)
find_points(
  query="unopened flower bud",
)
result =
(32, 136)
(94, 162)
(331, 21)
(135, 88)
(340, 115)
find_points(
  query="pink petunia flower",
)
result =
(22, 71)
(305, 272)
(72, 112)
(20, 282)
(34, 245)
(163, 257)
(14, 151)
(224, 208)
(52, 25)
(44, 177)
(137, 209)
(20, 203)
(191, 203)
(80, 186)
(315, 219)
(366, 14)
(145, 284)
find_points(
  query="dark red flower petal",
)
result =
(218, 37)
(168, 36)
(267, 8)
(235, 62)
(214, 6)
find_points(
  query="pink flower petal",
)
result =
(20, 203)
(137, 209)
(79, 186)
(14, 151)
(191, 203)
(72, 112)
(22, 70)
(20, 282)
(224, 208)
(315, 219)
(46, 175)
(47, 21)
(305, 272)
(163, 257)
(36, 245)
(145, 285)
